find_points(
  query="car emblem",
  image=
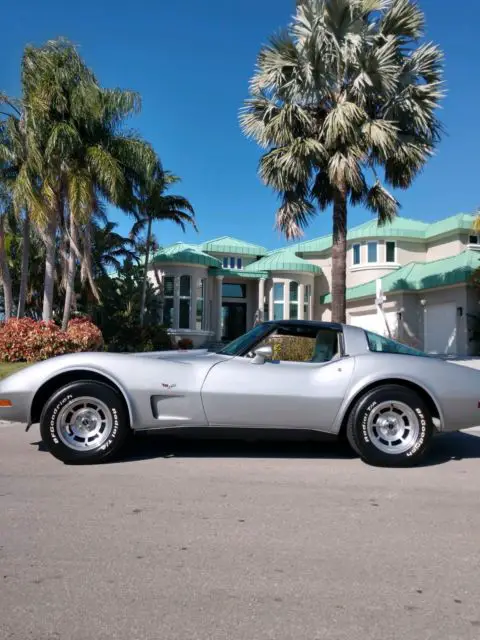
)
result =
(168, 386)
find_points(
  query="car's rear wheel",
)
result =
(84, 422)
(390, 426)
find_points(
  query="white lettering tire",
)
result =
(390, 426)
(85, 422)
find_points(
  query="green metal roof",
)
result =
(185, 253)
(239, 273)
(282, 260)
(460, 222)
(416, 276)
(399, 228)
(226, 244)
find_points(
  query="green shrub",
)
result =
(131, 338)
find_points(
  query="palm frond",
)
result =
(381, 203)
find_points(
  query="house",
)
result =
(215, 291)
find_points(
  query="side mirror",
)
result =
(262, 354)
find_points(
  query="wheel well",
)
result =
(426, 397)
(52, 385)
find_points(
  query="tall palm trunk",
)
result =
(50, 250)
(339, 256)
(71, 268)
(145, 275)
(22, 295)
(5, 273)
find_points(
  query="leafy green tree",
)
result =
(345, 95)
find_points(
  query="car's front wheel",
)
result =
(390, 426)
(84, 422)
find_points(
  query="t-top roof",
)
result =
(226, 244)
(185, 253)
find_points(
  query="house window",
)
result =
(168, 295)
(200, 318)
(293, 298)
(356, 254)
(390, 251)
(231, 262)
(230, 290)
(306, 301)
(278, 300)
(185, 295)
(473, 239)
(372, 251)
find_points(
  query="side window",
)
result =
(380, 344)
(314, 346)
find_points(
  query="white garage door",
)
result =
(375, 322)
(441, 328)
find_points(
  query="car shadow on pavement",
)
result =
(445, 448)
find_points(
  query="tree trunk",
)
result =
(50, 250)
(71, 268)
(339, 256)
(5, 273)
(22, 295)
(145, 275)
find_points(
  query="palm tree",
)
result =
(5, 276)
(346, 91)
(19, 172)
(153, 206)
(89, 156)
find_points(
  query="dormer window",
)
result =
(231, 262)
(473, 239)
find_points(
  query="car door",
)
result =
(281, 394)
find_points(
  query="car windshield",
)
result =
(381, 344)
(241, 345)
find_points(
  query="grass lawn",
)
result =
(7, 368)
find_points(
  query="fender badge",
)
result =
(168, 386)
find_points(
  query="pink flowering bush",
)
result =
(27, 340)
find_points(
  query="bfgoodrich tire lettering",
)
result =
(390, 426)
(85, 422)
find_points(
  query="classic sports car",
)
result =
(386, 398)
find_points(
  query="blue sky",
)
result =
(191, 62)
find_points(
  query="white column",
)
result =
(261, 296)
(301, 303)
(176, 302)
(219, 307)
(270, 303)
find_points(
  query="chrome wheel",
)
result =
(393, 427)
(84, 424)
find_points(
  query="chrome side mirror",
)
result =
(262, 354)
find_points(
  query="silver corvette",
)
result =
(386, 398)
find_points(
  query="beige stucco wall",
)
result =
(444, 248)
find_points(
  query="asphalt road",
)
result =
(200, 540)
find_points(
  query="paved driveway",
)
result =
(198, 540)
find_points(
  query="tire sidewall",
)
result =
(367, 406)
(49, 422)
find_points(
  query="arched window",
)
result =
(293, 298)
